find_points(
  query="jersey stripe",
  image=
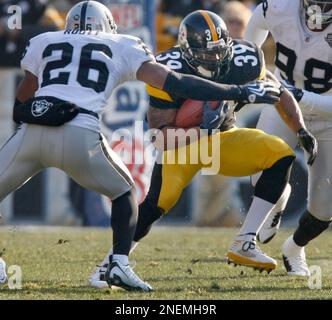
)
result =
(157, 93)
(83, 15)
(211, 25)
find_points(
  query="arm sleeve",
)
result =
(191, 87)
(257, 29)
(313, 102)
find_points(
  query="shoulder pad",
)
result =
(247, 63)
(174, 60)
(274, 7)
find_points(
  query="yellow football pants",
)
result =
(238, 152)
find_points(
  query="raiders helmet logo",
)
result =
(40, 107)
(328, 39)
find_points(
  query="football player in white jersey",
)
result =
(302, 32)
(69, 75)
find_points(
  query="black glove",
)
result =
(309, 143)
(296, 92)
(213, 118)
(260, 92)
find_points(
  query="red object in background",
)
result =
(128, 16)
(191, 112)
(130, 153)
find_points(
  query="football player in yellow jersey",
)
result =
(205, 49)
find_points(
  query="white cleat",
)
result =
(272, 223)
(124, 277)
(245, 252)
(294, 259)
(3, 274)
(97, 279)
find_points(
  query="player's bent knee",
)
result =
(319, 210)
(168, 199)
(273, 180)
(309, 228)
(124, 191)
(148, 213)
(279, 151)
(319, 200)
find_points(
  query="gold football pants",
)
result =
(236, 152)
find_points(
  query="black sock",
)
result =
(309, 228)
(123, 221)
(273, 181)
(148, 213)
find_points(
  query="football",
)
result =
(191, 112)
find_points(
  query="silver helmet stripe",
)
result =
(83, 15)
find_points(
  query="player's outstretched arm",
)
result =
(290, 112)
(287, 107)
(192, 87)
(310, 101)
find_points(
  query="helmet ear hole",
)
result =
(205, 44)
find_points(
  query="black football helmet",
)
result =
(318, 13)
(205, 44)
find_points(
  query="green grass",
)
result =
(180, 263)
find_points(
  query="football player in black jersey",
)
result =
(206, 49)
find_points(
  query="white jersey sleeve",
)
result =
(316, 103)
(257, 29)
(32, 56)
(136, 54)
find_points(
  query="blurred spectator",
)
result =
(236, 16)
(212, 5)
(37, 17)
(251, 4)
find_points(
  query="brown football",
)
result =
(191, 112)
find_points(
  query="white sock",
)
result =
(123, 259)
(258, 212)
(291, 247)
(110, 252)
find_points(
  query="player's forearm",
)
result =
(187, 86)
(316, 103)
(191, 87)
(290, 112)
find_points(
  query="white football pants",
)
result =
(320, 173)
(83, 154)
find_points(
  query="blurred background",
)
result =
(51, 197)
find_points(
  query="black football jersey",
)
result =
(247, 65)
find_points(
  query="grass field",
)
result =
(180, 263)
